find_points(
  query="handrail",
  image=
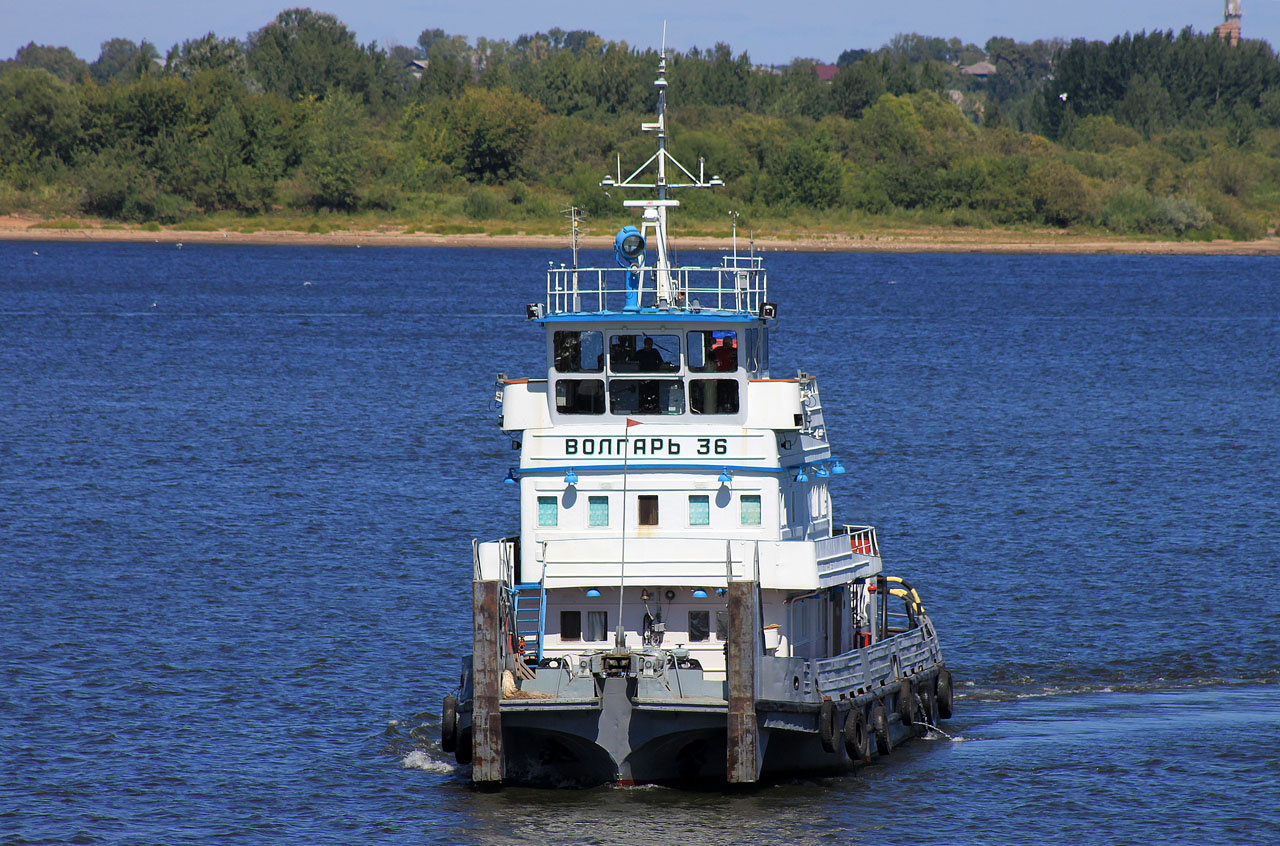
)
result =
(740, 284)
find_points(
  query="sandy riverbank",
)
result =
(930, 241)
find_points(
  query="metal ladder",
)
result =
(530, 608)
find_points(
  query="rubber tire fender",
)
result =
(929, 705)
(906, 703)
(827, 725)
(944, 693)
(463, 753)
(857, 743)
(449, 724)
(880, 728)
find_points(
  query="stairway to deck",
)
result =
(530, 607)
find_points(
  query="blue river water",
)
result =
(238, 487)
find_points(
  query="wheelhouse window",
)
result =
(699, 510)
(580, 396)
(648, 508)
(597, 511)
(646, 396)
(644, 353)
(597, 625)
(699, 626)
(713, 396)
(750, 510)
(548, 511)
(578, 351)
(713, 351)
(571, 625)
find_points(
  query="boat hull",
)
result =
(619, 737)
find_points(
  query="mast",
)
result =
(653, 225)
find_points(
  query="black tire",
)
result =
(906, 703)
(944, 694)
(880, 728)
(857, 742)
(449, 724)
(928, 706)
(827, 725)
(463, 753)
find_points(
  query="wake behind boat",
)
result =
(679, 603)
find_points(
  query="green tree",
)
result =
(337, 156)
(123, 60)
(856, 87)
(806, 174)
(39, 122)
(59, 61)
(308, 54)
(208, 53)
(484, 133)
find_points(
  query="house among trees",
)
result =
(979, 70)
(825, 73)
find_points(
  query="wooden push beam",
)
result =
(743, 764)
(486, 719)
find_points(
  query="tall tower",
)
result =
(1229, 29)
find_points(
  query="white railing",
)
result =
(862, 540)
(739, 284)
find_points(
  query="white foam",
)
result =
(419, 759)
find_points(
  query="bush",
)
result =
(1135, 210)
(481, 204)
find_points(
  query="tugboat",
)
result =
(679, 605)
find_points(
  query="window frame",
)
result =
(594, 500)
(554, 501)
(706, 499)
(643, 503)
(565, 616)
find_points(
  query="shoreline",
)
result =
(1045, 242)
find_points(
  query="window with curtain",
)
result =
(750, 510)
(598, 511)
(699, 510)
(548, 511)
(699, 625)
(597, 625)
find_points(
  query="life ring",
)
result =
(857, 743)
(906, 703)
(880, 728)
(827, 725)
(449, 724)
(463, 753)
(944, 693)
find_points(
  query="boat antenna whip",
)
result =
(620, 633)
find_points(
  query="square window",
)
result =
(699, 626)
(699, 510)
(597, 625)
(571, 625)
(597, 510)
(548, 511)
(750, 510)
(648, 506)
(722, 625)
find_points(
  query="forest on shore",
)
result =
(301, 126)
